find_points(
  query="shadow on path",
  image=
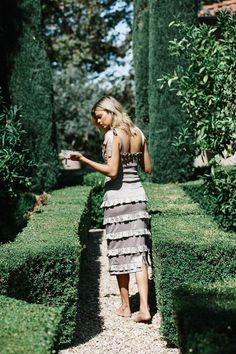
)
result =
(89, 322)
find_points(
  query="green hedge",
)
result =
(28, 328)
(140, 50)
(187, 247)
(13, 213)
(165, 115)
(42, 264)
(30, 87)
(206, 318)
(95, 180)
(217, 195)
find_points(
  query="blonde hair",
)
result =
(120, 117)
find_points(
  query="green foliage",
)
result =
(221, 187)
(14, 160)
(217, 195)
(82, 32)
(30, 87)
(74, 96)
(206, 318)
(206, 86)
(187, 247)
(165, 115)
(14, 178)
(95, 180)
(42, 264)
(140, 52)
(13, 213)
(28, 328)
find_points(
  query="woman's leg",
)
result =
(123, 283)
(142, 282)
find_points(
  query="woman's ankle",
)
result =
(125, 306)
(144, 309)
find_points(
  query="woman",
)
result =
(125, 214)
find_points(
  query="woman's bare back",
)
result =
(133, 143)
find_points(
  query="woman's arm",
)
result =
(109, 169)
(145, 162)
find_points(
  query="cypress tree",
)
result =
(165, 115)
(30, 87)
(140, 52)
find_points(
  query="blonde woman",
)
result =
(125, 213)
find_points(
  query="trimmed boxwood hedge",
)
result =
(95, 180)
(206, 318)
(28, 328)
(187, 247)
(42, 264)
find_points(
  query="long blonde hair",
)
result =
(120, 117)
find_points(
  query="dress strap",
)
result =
(120, 137)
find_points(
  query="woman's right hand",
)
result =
(75, 156)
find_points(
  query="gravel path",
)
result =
(100, 331)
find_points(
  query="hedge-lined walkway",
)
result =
(100, 330)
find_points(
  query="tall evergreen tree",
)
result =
(30, 87)
(140, 51)
(164, 109)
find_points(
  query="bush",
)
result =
(14, 214)
(187, 247)
(14, 160)
(220, 186)
(95, 180)
(165, 116)
(28, 328)
(206, 86)
(217, 196)
(206, 318)
(42, 264)
(14, 179)
(140, 36)
(30, 87)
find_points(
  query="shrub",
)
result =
(30, 87)
(165, 116)
(42, 264)
(14, 160)
(206, 85)
(206, 318)
(217, 195)
(14, 214)
(28, 328)
(95, 180)
(14, 179)
(220, 186)
(187, 247)
(140, 36)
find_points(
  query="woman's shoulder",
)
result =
(108, 135)
(137, 129)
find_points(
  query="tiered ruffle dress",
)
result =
(125, 213)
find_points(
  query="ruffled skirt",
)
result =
(127, 228)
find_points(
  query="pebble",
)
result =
(100, 330)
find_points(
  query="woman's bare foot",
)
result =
(123, 311)
(142, 317)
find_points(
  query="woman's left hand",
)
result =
(75, 156)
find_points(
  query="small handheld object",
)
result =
(66, 155)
